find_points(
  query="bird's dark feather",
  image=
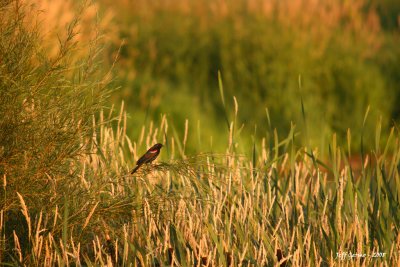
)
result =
(148, 157)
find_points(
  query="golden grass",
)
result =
(52, 18)
(207, 209)
(212, 210)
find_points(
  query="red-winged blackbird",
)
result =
(148, 157)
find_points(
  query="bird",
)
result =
(148, 157)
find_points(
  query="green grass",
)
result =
(67, 197)
(216, 208)
(346, 59)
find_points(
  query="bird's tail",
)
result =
(135, 169)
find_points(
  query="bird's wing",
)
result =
(141, 160)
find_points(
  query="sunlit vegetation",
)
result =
(346, 57)
(259, 196)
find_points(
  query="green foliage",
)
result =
(67, 198)
(173, 54)
(46, 106)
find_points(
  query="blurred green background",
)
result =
(347, 54)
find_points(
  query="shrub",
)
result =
(47, 108)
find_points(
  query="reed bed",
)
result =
(67, 197)
(214, 209)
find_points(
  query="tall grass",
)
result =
(67, 197)
(173, 52)
(216, 209)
